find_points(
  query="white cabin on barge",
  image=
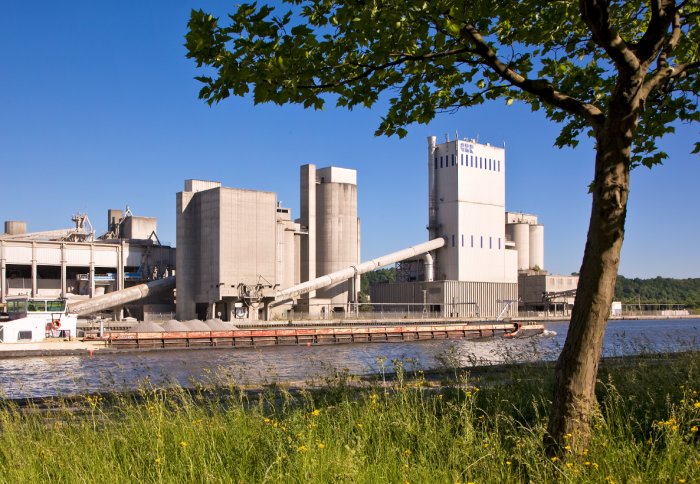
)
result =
(36, 319)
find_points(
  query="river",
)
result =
(69, 375)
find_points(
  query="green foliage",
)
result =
(440, 56)
(410, 429)
(380, 276)
(659, 290)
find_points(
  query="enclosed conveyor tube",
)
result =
(119, 298)
(349, 272)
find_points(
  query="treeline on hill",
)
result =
(656, 290)
(659, 290)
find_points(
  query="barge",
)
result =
(310, 336)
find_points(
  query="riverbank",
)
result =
(457, 426)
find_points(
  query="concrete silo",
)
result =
(536, 246)
(337, 229)
(520, 234)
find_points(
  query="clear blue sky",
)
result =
(99, 109)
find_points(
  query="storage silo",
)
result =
(337, 231)
(14, 227)
(537, 246)
(520, 234)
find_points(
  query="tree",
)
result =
(620, 72)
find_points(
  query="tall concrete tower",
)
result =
(329, 213)
(467, 183)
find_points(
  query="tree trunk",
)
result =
(577, 367)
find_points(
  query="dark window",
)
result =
(472, 240)
(436, 162)
(462, 159)
(453, 240)
(490, 243)
(499, 165)
(453, 160)
(441, 162)
(462, 240)
(482, 241)
(24, 335)
(499, 243)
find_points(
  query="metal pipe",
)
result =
(432, 189)
(118, 298)
(429, 273)
(344, 274)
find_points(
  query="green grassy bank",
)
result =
(472, 428)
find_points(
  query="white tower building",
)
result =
(467, 189)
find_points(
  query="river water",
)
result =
(69, 375)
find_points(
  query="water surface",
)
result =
(66, 375)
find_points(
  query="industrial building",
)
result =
(74, 264)
(493, 262)
(239, 248)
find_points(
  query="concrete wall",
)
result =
(225, 237)
(138, 227)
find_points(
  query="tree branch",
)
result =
(595, 15)
(667, 73)
(663, 12)
(538, 87)
(369, 69)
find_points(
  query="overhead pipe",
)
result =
(119, 298)
(429, 273)
(349, 272)
(432, 189)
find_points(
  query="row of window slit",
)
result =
(470, 161)
(480, 241)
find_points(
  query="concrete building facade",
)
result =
(227, 248)
(53, 264)
(476, 271)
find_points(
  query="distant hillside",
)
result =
(656, 290)
(659, 290)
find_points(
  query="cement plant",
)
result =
(247, 271)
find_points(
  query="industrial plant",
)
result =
(241, 256)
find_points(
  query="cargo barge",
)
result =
(311, 336)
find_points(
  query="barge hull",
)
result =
(317, 336)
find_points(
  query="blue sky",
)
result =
(99, 110)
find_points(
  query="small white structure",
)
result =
(34, 320)
(616, 309)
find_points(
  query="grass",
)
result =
(404, 428)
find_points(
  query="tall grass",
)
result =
(401, 429)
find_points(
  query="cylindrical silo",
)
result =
(13, 227)
(537, 246)
(520, 234)
(336, 230)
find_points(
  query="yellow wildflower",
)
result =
(567, 447)
(321, 445)
(302, 448)
(407, 452)
(694, 428)
(569, 465)
(696, 405)
(508, 462)
(681, 481)
(316, 412)
(183, 444)
(157, 460)
(554, 459)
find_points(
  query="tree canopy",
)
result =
(439, 56)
